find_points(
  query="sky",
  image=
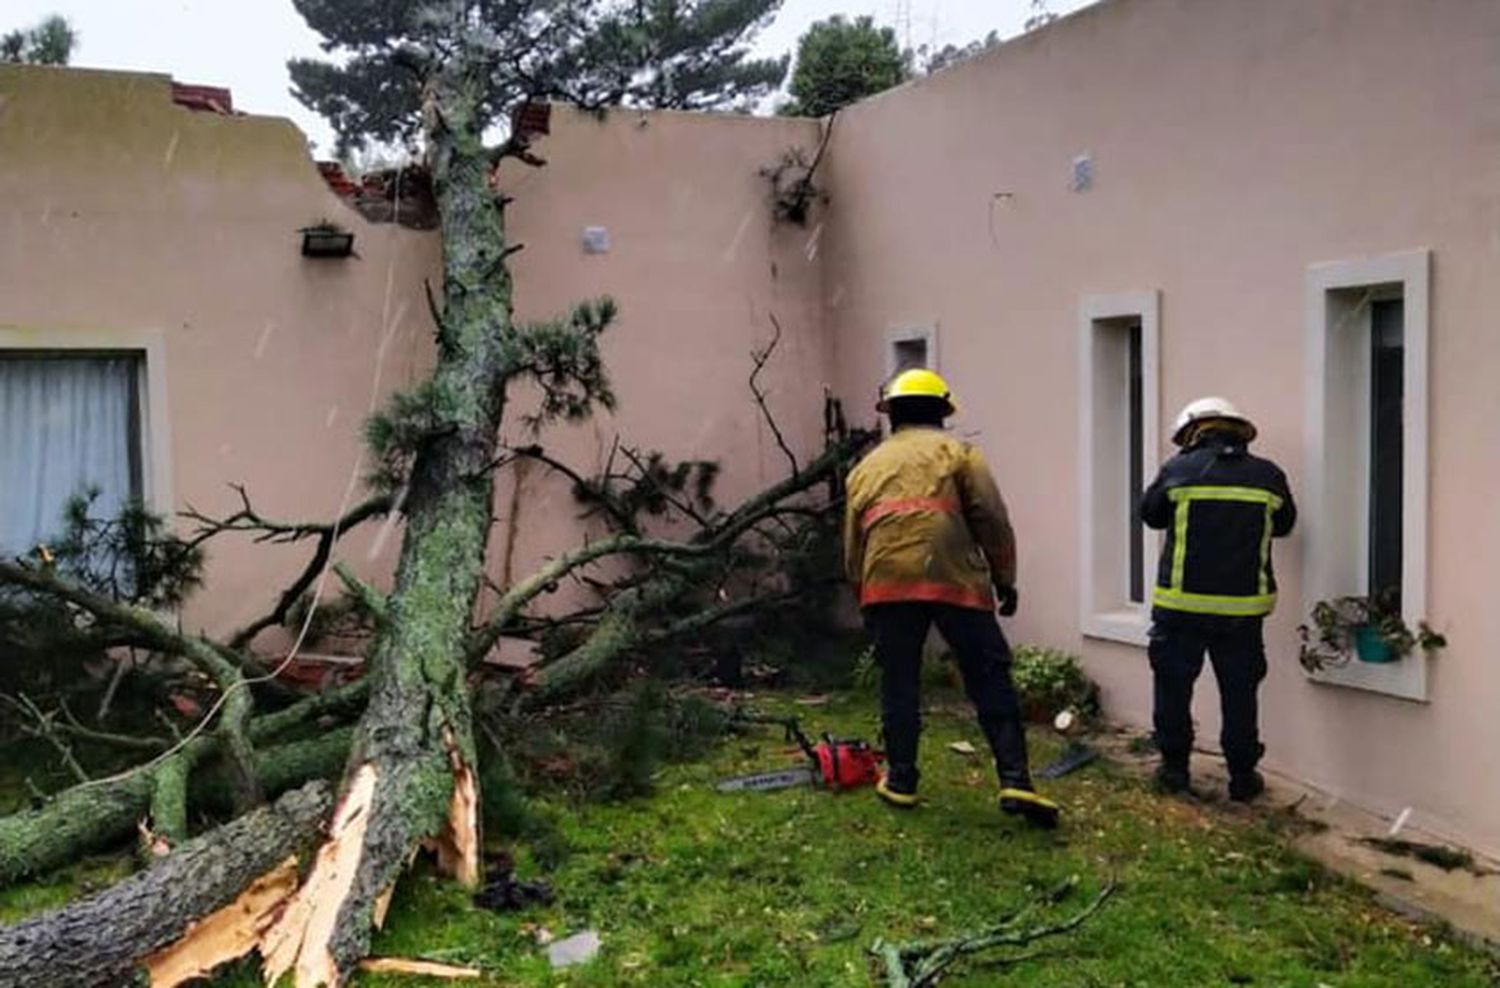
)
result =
(244, 44)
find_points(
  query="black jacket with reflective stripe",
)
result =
(1220, 507)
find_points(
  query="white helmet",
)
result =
(1209, 408)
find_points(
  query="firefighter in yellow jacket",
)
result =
(927, 541)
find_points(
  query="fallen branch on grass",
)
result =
(921, 964)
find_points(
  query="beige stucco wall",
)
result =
(1234, 145)
(125, 218)
(128, 221)
(699, 269)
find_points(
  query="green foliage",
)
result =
(398, 431)
(685, 54)
(563, 357)
(1050, 680)
(49, 43)
(1336, 625)
(130, 558)
(636, 742)
(840, 62)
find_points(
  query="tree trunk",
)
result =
(195, 909)
(99, 815)
(411, 780)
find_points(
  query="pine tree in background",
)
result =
(840, 62)
(664, 54)
(49, 43)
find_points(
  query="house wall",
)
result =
(1234, 145)
(128, 221)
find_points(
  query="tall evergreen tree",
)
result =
(670, 54)
(841, 62)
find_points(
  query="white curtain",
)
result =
(66, 424)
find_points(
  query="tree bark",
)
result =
(410, 780)
(104, 941)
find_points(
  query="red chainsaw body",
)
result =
(847, 764)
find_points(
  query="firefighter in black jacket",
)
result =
(1221, 507)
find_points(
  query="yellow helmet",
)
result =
(916, 383)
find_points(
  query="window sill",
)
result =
(1128, 626)
(1405, 680)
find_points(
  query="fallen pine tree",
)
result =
(669, 565)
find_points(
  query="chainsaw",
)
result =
(833, 763)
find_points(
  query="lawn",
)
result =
(690, 887)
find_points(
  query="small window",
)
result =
(1118, 455)
(909, 348)
(68, 423)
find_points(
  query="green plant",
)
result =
(1336, 625)
(1049, 680)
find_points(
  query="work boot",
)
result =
(1035, 809)
(1172, 779)
(899, 796)
(1245, 787)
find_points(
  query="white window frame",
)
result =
(1325, 522)
(150, 346)
(1117, 620)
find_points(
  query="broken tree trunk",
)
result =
(410, 780)
(203, 905)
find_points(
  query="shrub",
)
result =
(1050, 680)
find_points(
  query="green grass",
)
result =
(693, 888)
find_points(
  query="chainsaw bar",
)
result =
(766, 781)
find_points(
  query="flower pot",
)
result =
(1370, 647)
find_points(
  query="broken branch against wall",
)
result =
(202, 898)
(265, 530)
(234, 702)
(760, 357)
(922, 964)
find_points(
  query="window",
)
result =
(908, 348)
(68, 423)
(1118, 452)
(1366, 480)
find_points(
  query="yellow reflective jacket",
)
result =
(924, 521)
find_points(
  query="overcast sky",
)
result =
(244, 44)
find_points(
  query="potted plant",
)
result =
(1369, 629)
(326, 238)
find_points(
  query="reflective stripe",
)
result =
(1202, 603)
(908, 506)
(1265, 553)
(1179, 543)
(1254, 495)
(925, 590)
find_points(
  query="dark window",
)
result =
(1387, 388)
(1137, 481)
(910, 353)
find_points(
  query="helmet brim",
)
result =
(1179, 438)
(883, 406)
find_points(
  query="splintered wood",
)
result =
(299, 942)
(458, 847)
(225, 935)
(427, 969)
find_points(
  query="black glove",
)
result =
(1007, 597)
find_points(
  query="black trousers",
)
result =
(1237, 649)
(899, 631)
